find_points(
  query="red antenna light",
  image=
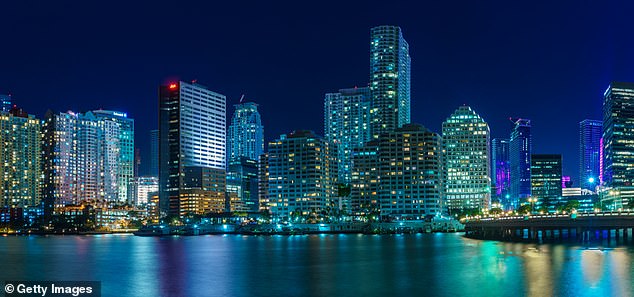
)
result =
(173, 86)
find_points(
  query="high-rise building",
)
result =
(365, 179)
(618, 145)
(20, 153)
(191, 134)
(144, 187)
(87, 157)
(466, 141)
(117, 147)
(154, 153)
(399, 175)
(520, 147)
(546, 181)
(590, 132)
(500, 170)
(302, 175)
(246, 133)
(347, 125)
(242, 185)
(390, 66)
(263, 182)
(5, 102)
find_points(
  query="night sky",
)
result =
(549, 62)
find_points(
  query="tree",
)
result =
(496, 210)
(525, 209)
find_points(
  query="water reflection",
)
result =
(319, 265)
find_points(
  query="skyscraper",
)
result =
(5, 102)
(242, 185)
(546, 181)
(590, 132)
(88, 156)
(618, 145)
(302, 176)
(192, 141)
(466, 141)
(20, 153)
(154, 153)
(117, 147)
(246, 133)
(390, 66)
(520, 161)
(347, 124)
(500, 170)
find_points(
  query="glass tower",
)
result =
(466, 141)
(347, 125)
(192, 134)
(546, 181)
(618, 144)
(390, 65)
(246, 133)
(500, 170)
(154, 153)
(589, 153)
(520, 162)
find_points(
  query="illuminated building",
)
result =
(546, 181)
(154, 153)
(347, 125)
(399, 175)
(191, 135)
(618, 145)
(302, 175)
(520, 147)
(365, 179)
(263, 182)
(87, 157)
(246, 133)
(500, 170)
(143, 189)
(390, 65)
(589, 153)
(242, 183)
(466, 141)
(5, 103)
(20, 153)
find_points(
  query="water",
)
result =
(319, 265)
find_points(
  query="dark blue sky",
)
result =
(549, 62)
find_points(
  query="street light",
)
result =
(532, 201)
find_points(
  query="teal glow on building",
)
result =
(347, 125)
(390, 67)
(246, 134)
(467, 180)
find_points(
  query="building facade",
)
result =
(143, 188)
(88, 156)
(154, 153)
(466, 141)
(347, 125)
(618, 145)
(500, 170)
(246, 133)
(590, 132)
(302, 176)
(390, 67)
(546, 181)
(520, 147)
(5, 102)
(20, 153)
(192, 134)
(242, 185)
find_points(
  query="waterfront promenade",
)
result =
(553, 227)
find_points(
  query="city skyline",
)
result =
(495, 65)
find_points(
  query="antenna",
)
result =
(241, 97)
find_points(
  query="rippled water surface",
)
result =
(319, 265)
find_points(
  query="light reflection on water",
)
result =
(319, 265)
